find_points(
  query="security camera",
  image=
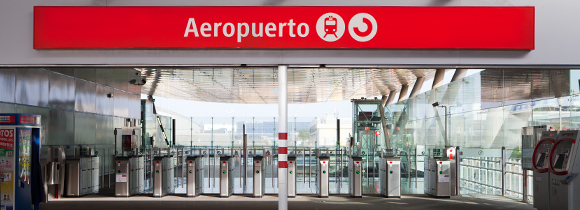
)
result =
(435, 104)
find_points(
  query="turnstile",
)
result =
(564, 168)
(291, 176)
(137, 174)
(258, 177)
(122, 181)
(437, 176)
(541, 159)
(129, 176)
(82, 175)
(163, 174)
(226, 176)
(194, 173)
(355, 176)
(390, 177)
(322, 175)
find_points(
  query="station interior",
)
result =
(417, 138)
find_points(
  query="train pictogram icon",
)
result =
(330, 28)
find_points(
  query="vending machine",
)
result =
(541, 156)
(20, 177)
(564, 167)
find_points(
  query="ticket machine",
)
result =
(541, 157)
(564, 168)
(20, 177)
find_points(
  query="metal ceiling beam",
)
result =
(403, 93)
(459, 74)
(439, 78)
(417, 87)
(391, 98)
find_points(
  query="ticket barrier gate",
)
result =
(390, 177)
(194, 174)
(122, 180)
(226, 176)
(355, 170)
(437, 176)
(291, 176)
(137, 174)
(322, 175)
(541, 158)
(163, 175)
(258, 177)
(564, 168)
(82, 175)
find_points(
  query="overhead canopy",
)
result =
(258, 85)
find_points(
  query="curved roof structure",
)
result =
(259, 85)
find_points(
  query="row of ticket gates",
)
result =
(127, 182)
(556, 166)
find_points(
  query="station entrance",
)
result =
(442, 103)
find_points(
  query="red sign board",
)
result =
(28, 120)
(378, 132)
(284, 27)
(7, 119)
(7, 137)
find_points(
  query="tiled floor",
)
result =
(238, 202)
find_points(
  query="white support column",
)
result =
(282, 138)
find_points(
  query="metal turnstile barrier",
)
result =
(122, 181)
(82, 175)
(163, 176)
(194, 173)
(137, 174)
(390, 177)
(158, 189)
(437, 176)
(226, 176)
(322, 175)
(258, 178)
(355, 170)
(291, 176)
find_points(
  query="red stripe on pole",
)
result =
(283, 150)
(282, 164)
(283, 136)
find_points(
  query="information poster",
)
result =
(24, 159)
(7, 137)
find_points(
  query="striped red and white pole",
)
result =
(283, 138)
(282, 150)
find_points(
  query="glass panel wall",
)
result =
(485, 113)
